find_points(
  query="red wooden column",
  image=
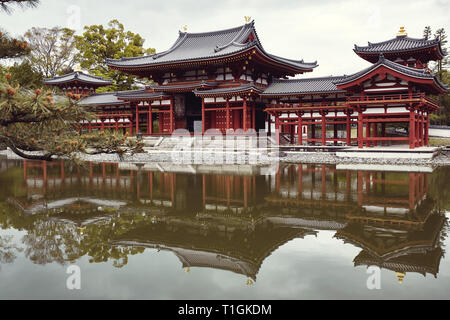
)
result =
(150, 119)
(244, 115)
(269, 122)
(335, 133)
(171, 115)
(227, 127)
(360, 128)
(324, 129)
(254, 115)
(417, 121)
(367, 133)
(277, 128)
(348, 128)
(137, 119)
(412, 128)
(300, 129)
(203, 116)
(374, 133)
(427, 127)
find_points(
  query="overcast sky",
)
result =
(321, 30)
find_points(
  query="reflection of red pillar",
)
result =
(104, 171)
(172, 188)
(277, 181)
(360, 188)
(245, 193)
(300, 180)
(91, 174)
(150, 185)
(61, 164)
(25, 174)
(204, 191)
(44, 168)
(324, 186)
(412, 190)
(228, 186)
(348, 183)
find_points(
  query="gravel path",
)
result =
(210, 157)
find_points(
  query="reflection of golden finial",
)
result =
(187, 270)
(400, 276)
(249, 282)
(402, 32)
(247, 19)
(184, 28)
(77, 68)
(81, 230)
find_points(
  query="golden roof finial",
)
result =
(184, 28)
(247, 19)
(187, 270)
(400, 276)
(249, 282)
(402, 32)
(77, 68)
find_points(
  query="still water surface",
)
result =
(161, 231)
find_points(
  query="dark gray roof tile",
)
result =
(305, 86)
(80, 77)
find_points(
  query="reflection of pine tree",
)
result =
(8, 250)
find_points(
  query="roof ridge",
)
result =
(219, 31)
(309, 79)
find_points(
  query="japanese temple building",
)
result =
(225, 80)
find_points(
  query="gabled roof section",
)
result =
(421, 75)
(141, 95)
(307, 86)
(78, 76)
(102, 99)
(401, 44)
(206, 46)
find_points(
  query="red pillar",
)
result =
(427, 127)
(300, 130)
(412, 128)
(367, 134)
(324, 130)
(137, 119)
(335, 134)
(277, 128)
(203, 116)
(253, 116)
(244, 115)
(227, 127)
(360, 129)
(171, 116)
(349, 131)
(417, 126)
(374, 133)
(150, 120)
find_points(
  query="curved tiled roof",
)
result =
(305, 86)
(399, 44)
(80, 77)
(208, 45)
(175, 87)
(408, 71)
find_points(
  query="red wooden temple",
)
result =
(225, 80)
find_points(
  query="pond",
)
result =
(162, 231)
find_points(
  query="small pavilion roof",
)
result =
(191, 47)
(78, 77)
(423, 74)
(400, 44)
(307, 86)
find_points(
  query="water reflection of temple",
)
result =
(234, 220)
